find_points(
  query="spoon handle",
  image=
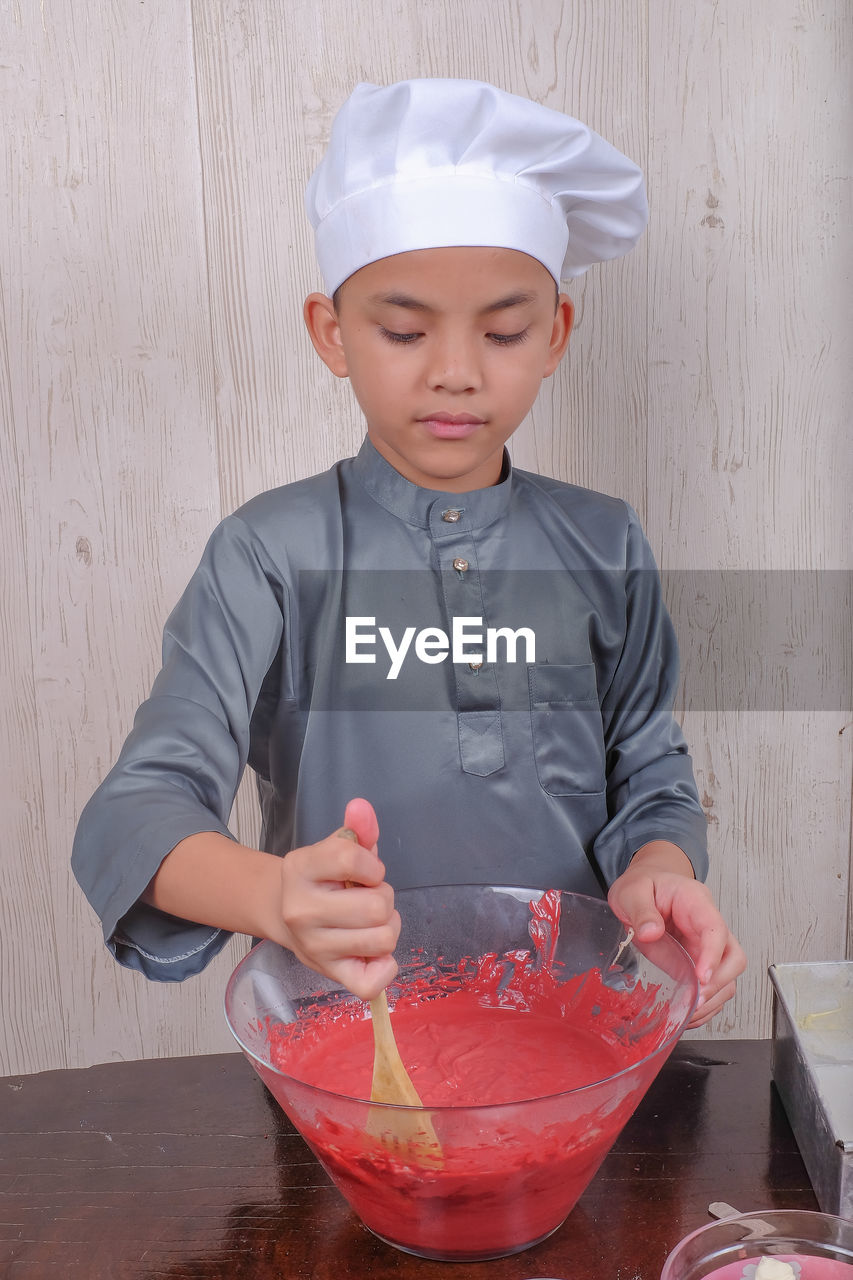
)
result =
(391, 1080)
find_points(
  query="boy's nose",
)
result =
(454, 367)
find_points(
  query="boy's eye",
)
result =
(499, 339)
(397, 337)
(508, 339)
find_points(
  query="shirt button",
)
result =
(460, 565)
(451, 517)
(475, 666)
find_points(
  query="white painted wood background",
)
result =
(154, 374)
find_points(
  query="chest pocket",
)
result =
(568, 740)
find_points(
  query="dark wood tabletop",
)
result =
(186, 1169)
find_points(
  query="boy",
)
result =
(481, 651)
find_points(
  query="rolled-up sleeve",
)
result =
(179, 769)
(651, 792)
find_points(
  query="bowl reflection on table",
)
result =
(511, 1171)
(818, 1246)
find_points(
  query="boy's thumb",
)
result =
(360, 818)
(635, 906)
(650, 928)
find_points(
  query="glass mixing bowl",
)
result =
(818, 1246)
(508, 1172)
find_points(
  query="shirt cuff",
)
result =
(163, 947)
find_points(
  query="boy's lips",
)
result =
(451, 426)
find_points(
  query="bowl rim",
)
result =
(601, 903)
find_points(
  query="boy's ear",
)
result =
(563, 321)
(321, 321)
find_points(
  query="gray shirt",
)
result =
(493, 670)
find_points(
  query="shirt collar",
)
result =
(421, 506)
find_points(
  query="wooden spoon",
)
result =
(410, 1136)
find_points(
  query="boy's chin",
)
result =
(451, 465)
(451, 472)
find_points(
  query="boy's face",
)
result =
(446, 350)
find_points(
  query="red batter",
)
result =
(457, 1053)
(519, 1065)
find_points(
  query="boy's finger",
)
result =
(719, 963)
(338, 859)
(706, 938)
(707, 1009)
(730, 965)
(364, 978)
(356, 943)
(364, 908)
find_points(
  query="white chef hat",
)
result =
(427, 163)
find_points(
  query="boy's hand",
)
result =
(348, 934)
(659, 892)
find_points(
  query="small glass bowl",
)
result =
(727, 1249)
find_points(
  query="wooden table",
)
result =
(185, 1169)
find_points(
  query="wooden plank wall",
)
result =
(154, 374)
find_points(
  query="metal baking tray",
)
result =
(813, 1071)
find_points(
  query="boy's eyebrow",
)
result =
(400, 300)
(511, 300)
(409, 303)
